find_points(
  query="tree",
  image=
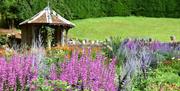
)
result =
(9, 11)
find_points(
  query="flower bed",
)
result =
(132, 65)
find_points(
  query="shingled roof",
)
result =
(48, 16)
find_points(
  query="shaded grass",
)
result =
(101, 28)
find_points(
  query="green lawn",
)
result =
(101, 28)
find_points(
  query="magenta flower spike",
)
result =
(88, 73)
(16, 72)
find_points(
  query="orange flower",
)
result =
(167, 62)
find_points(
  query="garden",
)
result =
(89, 45)
(120, 65)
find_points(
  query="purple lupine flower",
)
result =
(130, 44)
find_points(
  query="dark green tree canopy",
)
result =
(19, 10)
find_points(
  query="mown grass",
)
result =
(101, 28)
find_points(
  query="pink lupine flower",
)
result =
(92, 73)
(53, 74)
(16, 69)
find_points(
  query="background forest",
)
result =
(15, 11)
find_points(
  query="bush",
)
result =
(42, 84)
(112, 46)
(3, 40)
(166, 76)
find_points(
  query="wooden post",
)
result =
(66, 37)
(33, 35)
(58, 36)
(23, 35)
(29, 35)
(63, 37)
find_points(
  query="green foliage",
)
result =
(55, 56)
(167, 75)
(85, 8)
(77, 9)
(3, 40)
(49, 36)
(42, 84)
(119, 8)
(113, 49)
(112, 45)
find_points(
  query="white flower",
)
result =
(173, 58)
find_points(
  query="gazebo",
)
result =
(31, 28)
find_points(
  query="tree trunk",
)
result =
(12, 24)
